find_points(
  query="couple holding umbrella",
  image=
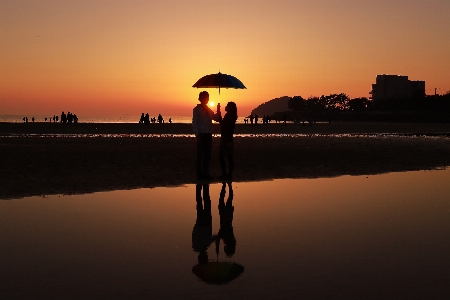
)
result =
(202, 124)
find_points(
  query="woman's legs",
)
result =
(226, 150)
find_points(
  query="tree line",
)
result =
(340, 107)
(342, 102)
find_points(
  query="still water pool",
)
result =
(352, 237)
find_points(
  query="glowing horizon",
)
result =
(122, 57)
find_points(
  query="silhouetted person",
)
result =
(202, 236)
(69, 117)
(170, 120)
(256, 119)
(147, 119)
(226, 211)
(251, 119)
(202, 117)
(160, 119)
(63, 118)
(142, 119)
(226, 148)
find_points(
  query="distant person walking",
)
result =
(202, 117)
(63, 118)
(226, 148)
(69, 117)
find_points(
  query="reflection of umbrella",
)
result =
(218, 272)
(219, 80)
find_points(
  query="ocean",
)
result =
(99, 119)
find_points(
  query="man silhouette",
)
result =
(202, 117)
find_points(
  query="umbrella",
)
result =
(218, 272)
(219, 80)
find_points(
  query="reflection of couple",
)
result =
(202, 118)
(202, 236)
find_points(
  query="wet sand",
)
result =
(35, 160)
(319, 128)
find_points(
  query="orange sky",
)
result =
(127, 57)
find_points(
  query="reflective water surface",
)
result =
(247, 135)
(351, 237)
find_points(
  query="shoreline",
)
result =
(186, 128)
(35, 166)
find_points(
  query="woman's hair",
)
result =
(232, 110)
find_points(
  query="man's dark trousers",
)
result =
(204, 145)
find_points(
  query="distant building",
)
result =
(391, 87)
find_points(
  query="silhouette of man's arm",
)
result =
(195, 121)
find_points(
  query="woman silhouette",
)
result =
(226, 147)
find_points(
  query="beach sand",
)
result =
(36, 161)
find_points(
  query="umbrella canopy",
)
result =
(218, 272)
(219, 80)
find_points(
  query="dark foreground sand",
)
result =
(36, 165)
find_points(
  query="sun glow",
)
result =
(211, 103)
(98, 63)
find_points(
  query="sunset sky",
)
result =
(101, 58)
